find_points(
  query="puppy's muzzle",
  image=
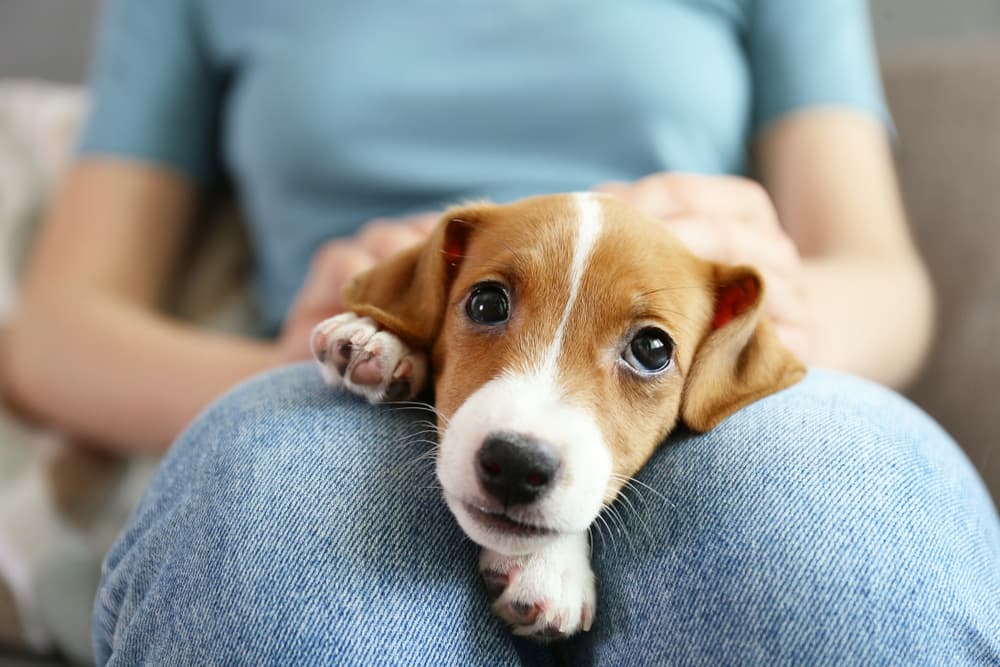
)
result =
(516, 469)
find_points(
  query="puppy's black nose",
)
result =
(516, 468)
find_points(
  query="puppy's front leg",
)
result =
(354, 353)
(548, 594)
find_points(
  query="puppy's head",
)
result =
(568, 335)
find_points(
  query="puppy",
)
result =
(565, 336)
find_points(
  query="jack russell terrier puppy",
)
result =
(566, 336)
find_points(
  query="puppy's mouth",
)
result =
(502, 522)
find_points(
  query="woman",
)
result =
(830, 523)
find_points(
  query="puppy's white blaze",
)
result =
(531, 405)
(588, 229)
(531, 401)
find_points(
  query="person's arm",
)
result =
(88, 351)
(91, 353)
(867, 293)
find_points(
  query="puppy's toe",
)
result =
(336, 343)
(354, 353)
(367, 371)
(523, 613)
(547, 596)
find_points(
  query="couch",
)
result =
(946, 104)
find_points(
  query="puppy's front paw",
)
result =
(354, 353)
(546, 595)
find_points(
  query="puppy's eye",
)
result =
(488, 304)
(649, 351)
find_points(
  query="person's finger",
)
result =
(772, 255)
(332, 267)
(670, 194)
(796, 339)
(383, 238)
(424, 223)
(646, 195)
(724, 240)
(611, 187)
(726, 196)
(784, 300)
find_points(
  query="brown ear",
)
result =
(741, 359)
(406, 294)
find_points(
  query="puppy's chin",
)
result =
(491, 533)
(535, 405)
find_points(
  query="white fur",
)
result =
(535, 405)
(588, 229)
(558, 579)
(368, 343)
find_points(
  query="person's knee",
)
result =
(287, 422)
(834, 435)
(830, 509)
(289, 511)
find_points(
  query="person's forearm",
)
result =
(870, 316)
(122, 376)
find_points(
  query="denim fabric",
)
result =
(832, 523)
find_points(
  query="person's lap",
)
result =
(290, 524)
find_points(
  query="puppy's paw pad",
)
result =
(336, 342)
(524, 613)
(545, 596)
(354, 353)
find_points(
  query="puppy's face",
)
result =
(568, 334)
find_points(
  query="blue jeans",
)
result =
(832, 523)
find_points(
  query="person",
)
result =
(832, 523)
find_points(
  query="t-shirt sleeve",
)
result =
(153, 91)
(813, 53)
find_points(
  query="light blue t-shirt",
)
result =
(327, 113)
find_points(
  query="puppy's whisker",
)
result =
(480, 229)
(599, 523)
(428, 444)
(418, 405)
(627, 504)
(410, 405)
(619, 522)
(678, 313)
(632, 481)
(424, 433)
(418, 435)
(429, 455)
(613, 540)
(430, 452)
(408, 466)
(669, 289)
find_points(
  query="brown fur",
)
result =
(638, 274)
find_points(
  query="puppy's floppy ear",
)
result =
(406, 294)
(740, 359)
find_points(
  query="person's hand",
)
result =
(730, 220)
(333, 266)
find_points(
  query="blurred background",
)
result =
(51, 38)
